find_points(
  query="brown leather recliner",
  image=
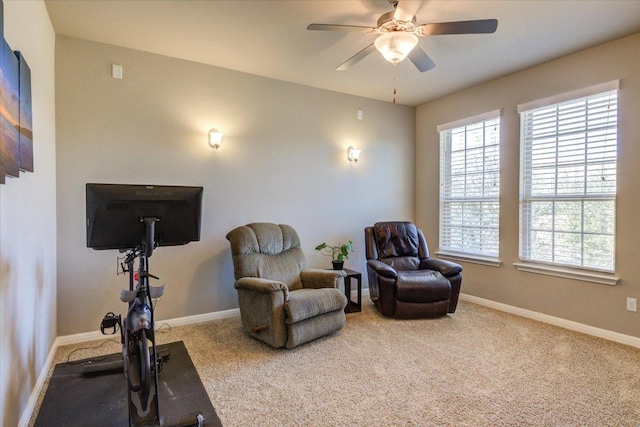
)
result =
(403, 281)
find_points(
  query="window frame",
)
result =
(573, 270)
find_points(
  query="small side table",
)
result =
(352, 306)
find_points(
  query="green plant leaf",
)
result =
(321, 246)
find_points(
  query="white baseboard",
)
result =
(93, 336)
(199, 318)
(556, 321)
(179, 321)
(37, 388)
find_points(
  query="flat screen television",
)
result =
(115, 214)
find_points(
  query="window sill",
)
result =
(475, 259)
(569, 273)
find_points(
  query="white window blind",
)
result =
(568, 164)
(470, 185)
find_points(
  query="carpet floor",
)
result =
(476, 367)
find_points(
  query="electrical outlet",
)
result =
(632, 304)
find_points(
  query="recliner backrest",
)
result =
(396, 239)
(269, 251)
(398, 243)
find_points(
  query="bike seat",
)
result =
(129, 296)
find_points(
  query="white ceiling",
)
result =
(269, 37)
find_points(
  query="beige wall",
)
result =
(28, 224)
(592, 304)
(283, 160)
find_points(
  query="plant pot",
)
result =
(337, 265)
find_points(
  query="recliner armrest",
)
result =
(446, 268)
(265, 286)
(382, 269)
(315, 278)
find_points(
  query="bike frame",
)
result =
(140, 366)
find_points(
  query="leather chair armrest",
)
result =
(382, 269)
(317, 278)
(264, 286)
(446, 268)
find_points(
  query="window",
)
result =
(470, 186)
(568, 157)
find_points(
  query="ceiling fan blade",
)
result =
(406, 10)
(332, 27)
(356, 58)
(480, 26)
(421, 60)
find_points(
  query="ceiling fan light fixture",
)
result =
(396, 45)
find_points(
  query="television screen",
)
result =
(115, 214)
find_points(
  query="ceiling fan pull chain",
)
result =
(394, 82)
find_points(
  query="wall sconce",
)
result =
(353, 154)
(215, 138)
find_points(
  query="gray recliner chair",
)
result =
(282, 302)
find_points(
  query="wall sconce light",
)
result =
(215, 138)
(353, 154)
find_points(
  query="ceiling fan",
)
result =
(399, 32)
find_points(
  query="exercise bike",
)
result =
(141, 361)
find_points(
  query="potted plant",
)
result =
(337, 253)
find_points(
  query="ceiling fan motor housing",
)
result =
(387, 24)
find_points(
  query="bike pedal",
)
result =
(110, 321)
(163, 353)
(159, 365)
